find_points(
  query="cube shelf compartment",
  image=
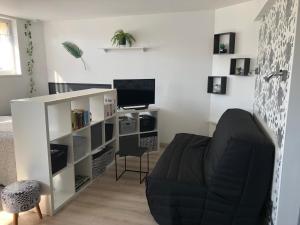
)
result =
(217, 85)
(49, 120)
(110, 129)
(227, 39)
(96, 135)
(132, 135)
(59, 120)
(81, 144)
(149, 140)
(83, 173)
(63, 187)
(240, 66)
(128, 123)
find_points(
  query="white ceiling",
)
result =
(81, 9)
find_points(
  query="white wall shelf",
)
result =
(110, 49)
(48, 121)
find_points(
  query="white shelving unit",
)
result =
(152, 111)
(110, 49)
(41, 121)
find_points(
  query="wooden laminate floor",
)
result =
(105, 202)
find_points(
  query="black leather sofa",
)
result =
(223, 180)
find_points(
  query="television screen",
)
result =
(135, 92)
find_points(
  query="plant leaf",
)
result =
(73, 49)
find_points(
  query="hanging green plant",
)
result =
(121, 38)
(29, 51)
(74, 50)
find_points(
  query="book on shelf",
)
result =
(109, 107)
(80, 118)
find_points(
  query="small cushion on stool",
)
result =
(21, 196)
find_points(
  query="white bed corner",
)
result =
(7, 156)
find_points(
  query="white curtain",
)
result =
(6, 48)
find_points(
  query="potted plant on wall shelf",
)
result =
(122, 39)
(223, 48)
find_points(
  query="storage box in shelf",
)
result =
(109, 131)
(147, 122)
(127, 125)
(59, 157)
(102, 159)
(96, 135)
(149, 140)
(80, 145)
(98, 164)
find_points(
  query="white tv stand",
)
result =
(135, 113)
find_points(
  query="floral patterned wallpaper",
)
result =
(276, 45)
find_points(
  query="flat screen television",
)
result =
(135, 92)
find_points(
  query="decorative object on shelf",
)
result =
(281, 73)
(240, 66)
(217, 85)
(224, 43)
(122, 39)
(223, 48)
(109, 106)
(75, 51)
(239, 71)
(29, 51)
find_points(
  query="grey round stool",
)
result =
(21, 196)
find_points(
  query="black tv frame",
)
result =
(137, 105)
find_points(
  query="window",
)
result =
(9, 51)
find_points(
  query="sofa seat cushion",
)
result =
(175, 203)
(182, 160)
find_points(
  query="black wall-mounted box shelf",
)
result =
(217, 85)
(240, 66)
(229, 43)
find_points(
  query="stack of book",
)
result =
(80, 118)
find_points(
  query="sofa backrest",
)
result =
(238, 166)
(235, 124)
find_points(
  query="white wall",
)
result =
(240, 90)
(13, 87)
(179, 59)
